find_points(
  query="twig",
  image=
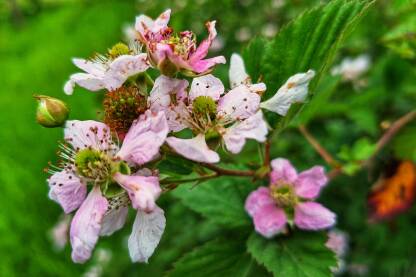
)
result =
(318, 147)
(201, 178)
(228, 172)
(266, 161)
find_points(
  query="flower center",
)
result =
(183, 43)
(284, 195)
(205, 106)
(118, 50)
(93, 164)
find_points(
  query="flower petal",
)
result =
(257, 199)
(293, 91)
(88, 133)
(195, 149)
(143, 23)
(206, 66)
(143, 140)
(164, 87)
(113, 220)
(254, 127)
(207, 85)
(282, 170)
(239, 103)
(143, 190)
(86, 225)
(67, 189)
(87, 81)
(96, 69)
(203, 47)
(310, 182)
(237, 73)
(147, 231)
(269, 220)
(123, 67)
(313, 216)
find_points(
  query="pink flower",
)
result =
(208, 111)
(171, 52)
(95, 159)
(290, 198)
(338, 242)
(105, 73)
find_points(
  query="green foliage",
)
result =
(300, 254)
(253, 57)
(402, 145)
(362, 150)
(221, 200)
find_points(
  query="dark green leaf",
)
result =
(252, 56)
(300, 254)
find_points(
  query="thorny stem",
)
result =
(318, 147)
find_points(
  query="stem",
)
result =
(266, 153)
(318, 147)
(201, 178)
(228, 172)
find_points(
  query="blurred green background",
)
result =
(38, 39)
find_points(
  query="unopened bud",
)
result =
(51, 112)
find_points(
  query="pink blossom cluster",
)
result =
(100, 176)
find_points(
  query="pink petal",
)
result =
(143, 140)
(87, 133)
(143, 190)
(96, 69)
(147, 231)
(282, 170)
(163, 89)
(59, 232)
(67, 189)
(178, 117)
(269, 220)
(144, 22)
(310, 182)
(313, 216)
(206, 66)
(195, 149)
(254, 127)
(123, 67)
(86, 225)
(257, 199)
(237, 72)
(337, 242)
(203, 47)
(113, 220)
(239, 103)
(87, 81)
(207, 85)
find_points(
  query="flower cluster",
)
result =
(105, 167)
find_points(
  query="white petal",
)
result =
(147, 231)
(239, 103)
(253, 127)
(207, 85)
(85, 80)
(96, 69)
(195, 149)
(295, 90)
(237, 73)
(164, 87)
(87, 133)
(113, 221)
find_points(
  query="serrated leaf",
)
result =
(175, 166)
(301, 254)
(220, 200)
(252, 56)
(219, 257)
(309, 42)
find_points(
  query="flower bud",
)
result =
(51, 112)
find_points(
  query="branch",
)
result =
(228, 172)
(266, 161)
(189, 180)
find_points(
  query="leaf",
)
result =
(218, 257)
(252, 56)
(174, 165)
(402, 38)
(301, 254)
(221, 200)
(403, 144)
(309, 42)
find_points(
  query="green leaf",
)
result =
(219, 257)
(402, 38)
(300, 254)
(220, 200)
(174, 166)
(252, 56)
(403, 144)
(309, 42)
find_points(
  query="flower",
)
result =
(338, 242)
(107, 71)
(289, 199)
(170, 52)
(95, 160)
(209, 113)
(352, 68)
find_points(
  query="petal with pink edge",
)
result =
(147, 231)
(164, 87)
(195, 149)
(254, 127)
(207, 85)
(309, 182)
(87, 81)
(257, 199)
(86, 225)
(207, 65)
(144, 23)
(113, 220)
(143, 190)
(67, 189)
(239, 103)
(282, 170)
(143, 140)
(202, 50)
(96, 69)
(313, 216)
(269, 220)
(87, 133)
(237, 72)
